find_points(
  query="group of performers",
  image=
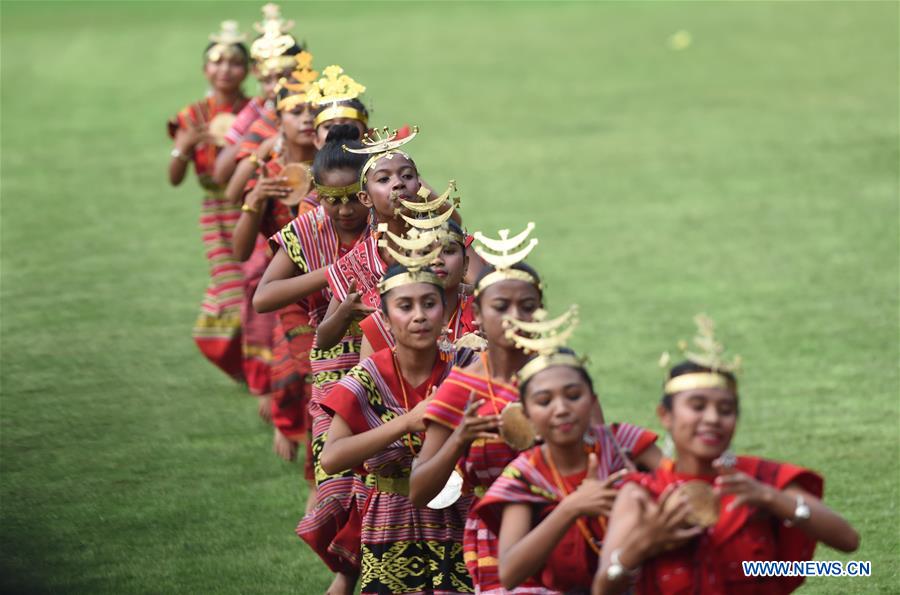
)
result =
(453, 442)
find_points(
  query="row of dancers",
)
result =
(453, 442)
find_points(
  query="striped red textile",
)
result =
(742, 534)
(254, 109)
(362, 264)
(529, 479)
(264, 127)
(217, 330)
(481, 465)
(404, 549)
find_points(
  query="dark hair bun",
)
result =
(342, 133)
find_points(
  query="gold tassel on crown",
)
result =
(331, 90)
(224, 42)
(709, 353)
(267, 50)
(503, 254)
(298, 84)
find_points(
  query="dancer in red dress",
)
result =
(686, 527)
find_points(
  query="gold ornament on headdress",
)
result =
(503, 254)
(412, 257)
(378, 144)
(546, 339)
(411, 246)
(333, 194)
(267, 51)
(224, 41)
(298, 84)
(709, 353)
(382, 140)
(333, 88)
(428, 215)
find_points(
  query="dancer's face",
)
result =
(559, 404)
(415, 314)
(701, 422)
(391, 179)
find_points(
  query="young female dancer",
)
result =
(450, 265)
(665, 541)
(303, 249)
(217, 330)
(272, 55)
(377, 419)
(550, 505)
(463, 428)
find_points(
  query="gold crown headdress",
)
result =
(411, 255)
(378, 144)
(298, 84)
(428, 215)
(503, 254)
(224, 41)
(709, 353)
(331, 90)
(267, 50)
(547, 339)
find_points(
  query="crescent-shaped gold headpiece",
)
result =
(506, 251)
(382, 141)
(540, 335)
(547, 339)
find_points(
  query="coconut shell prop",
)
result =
(704, 505)
(219, 127)
(299, 180)
(516, 430)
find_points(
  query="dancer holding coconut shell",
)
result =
(464, 419)
(670, 534)
(549, 507)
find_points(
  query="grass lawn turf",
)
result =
(751, 175)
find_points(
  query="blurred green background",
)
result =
(752, 175)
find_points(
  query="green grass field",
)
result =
(753, 175)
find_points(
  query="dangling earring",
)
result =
(373, 223)
(279, 143)
(668, 447)
(270, 105)
(588, 438)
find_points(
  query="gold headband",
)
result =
(277, 64)
(408, 278)
(698, 380)
(223, 50)
(334, 193)
(506, 275)
(542, 362)
(336, 111)
(374, 159)
(459, 238)
(291, 101)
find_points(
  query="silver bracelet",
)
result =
(801, 512)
